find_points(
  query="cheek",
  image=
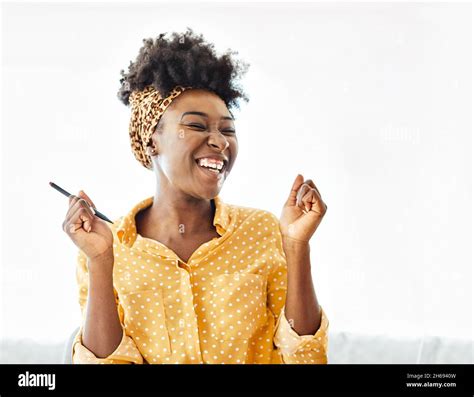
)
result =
(233, 151)
(175, 166)
(177, 162)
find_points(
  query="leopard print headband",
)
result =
(147, 108)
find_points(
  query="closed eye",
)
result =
(199, 126)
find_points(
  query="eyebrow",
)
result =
(205, 115)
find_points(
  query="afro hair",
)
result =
(184, 59)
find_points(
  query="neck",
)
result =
(175, 213)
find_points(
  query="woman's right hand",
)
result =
(88, 232)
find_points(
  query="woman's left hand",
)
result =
(303, 211)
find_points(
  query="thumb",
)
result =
(294, 190)
(83, 195)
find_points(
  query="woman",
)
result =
(184, 277)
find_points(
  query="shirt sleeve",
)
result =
(301, 349)
(125, 353)
(292, 347)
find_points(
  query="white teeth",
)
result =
(211, 164)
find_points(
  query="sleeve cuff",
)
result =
(126, 352)
(290, 342)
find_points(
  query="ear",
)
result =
(150, 150)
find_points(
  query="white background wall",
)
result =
(371, 101)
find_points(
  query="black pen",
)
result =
(96, 212)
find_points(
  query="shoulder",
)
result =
(252, 217)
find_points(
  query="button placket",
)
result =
(190, 325)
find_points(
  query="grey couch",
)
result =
(344, 348)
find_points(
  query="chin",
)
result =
(208, 188)
(209, 194)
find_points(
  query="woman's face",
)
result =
(196, 143)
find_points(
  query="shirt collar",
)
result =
(127, 230)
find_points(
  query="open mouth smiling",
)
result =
(212, 165)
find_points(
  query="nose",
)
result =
(217, 140)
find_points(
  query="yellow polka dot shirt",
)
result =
(224, 306)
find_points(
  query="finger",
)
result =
(318, 195)
(72, 199)
(71, 223)
(89, 219)
(301, 192)
(306, 202)
(82, 217)
(86, 222)
(87, 198)
(81, 220)
(309, 199)
(294, 190)
(313, 202)
(72, 207)
(73, 228)
(311, 183)
(78, 203)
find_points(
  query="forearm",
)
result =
(301, 308)
(102, 331)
